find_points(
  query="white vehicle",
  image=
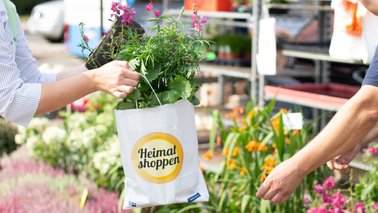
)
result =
(47, 19)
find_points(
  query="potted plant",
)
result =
(155, 123)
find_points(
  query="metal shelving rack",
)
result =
(228, 18)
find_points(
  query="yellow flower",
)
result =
(243, 128)
(274, 145)
(207, 155)
(283, 111)
(252, 146)
(243, 171)
(250, 115)
(232, 164)
(276, 123)
(235, 151)
(225, 151)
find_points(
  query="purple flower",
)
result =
(157, 13)
(329, 183)
(149, 6)
(359, 208)
(338, 200)
(203, 20)
(319, 189)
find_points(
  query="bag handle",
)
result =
(144, 77)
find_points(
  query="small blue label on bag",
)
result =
(194, 197)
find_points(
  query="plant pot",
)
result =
(209, 5)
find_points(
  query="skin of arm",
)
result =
(114, 78)
(69, 73)
(348, 127)
(371, 5)
(342, 161)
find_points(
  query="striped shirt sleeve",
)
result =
(19, 99)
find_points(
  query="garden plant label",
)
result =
(159, 151)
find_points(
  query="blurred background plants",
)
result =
(7, 137)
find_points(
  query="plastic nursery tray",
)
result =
(329, 96)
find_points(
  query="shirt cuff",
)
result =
(48, 77)
(24, 104)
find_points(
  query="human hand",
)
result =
(102, 54)
(281, 182)
(342, 161)
(115, 78)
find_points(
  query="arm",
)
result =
(114, 78)
(342, 161)
(371, 5)
(349, 126)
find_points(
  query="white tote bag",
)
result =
(159, 151)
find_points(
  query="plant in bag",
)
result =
(155, 123)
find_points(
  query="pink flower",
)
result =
(374, 206)
(114, 7)
(372, 151)
(86, 39)
(157, 13)
(194, 17)
(359, 208)
(203, 20)
(318, 189)
(306, 199)
(149, 6)
(338, 200)
(317, 210)
(336, 210)
(327, 199)
(329, 183)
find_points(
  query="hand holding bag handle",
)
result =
(102, 54)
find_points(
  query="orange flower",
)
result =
(283, 111)
(263, 148)
(238, 111)
(231, 115)
(262, 177)
(295, 132)
(287, 141)
(207, 155)
(225, 151)
(235, 151)
(240, 120)
(219, 141)
(252, 146)
(243, 171)
(276, 123)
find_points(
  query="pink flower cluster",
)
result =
(123, 11)
(198, 22)
(371, 151)
(332, 202)
(150, 7)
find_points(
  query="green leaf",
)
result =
(122, 105)
(134, 63)
(152, 74)
(181, 85)
(169, 97)
(136, 95)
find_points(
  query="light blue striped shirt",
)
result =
(20, 79)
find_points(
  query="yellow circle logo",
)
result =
(157, 157)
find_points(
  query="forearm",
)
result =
(371, 5)
(347, 128)
(60, 93)
(75, 71)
